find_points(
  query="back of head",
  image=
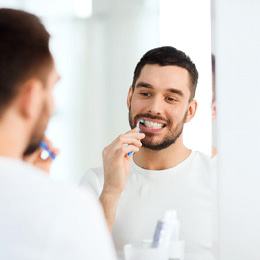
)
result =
(24, 52)
(165, 56)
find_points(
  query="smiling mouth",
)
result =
(151, 124)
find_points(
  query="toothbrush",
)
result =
(45, 147)
(138, 131)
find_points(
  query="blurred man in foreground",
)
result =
(39, 219)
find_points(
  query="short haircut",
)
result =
(24, 52)
(165, 56)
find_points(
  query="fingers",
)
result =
(134, 134)
(55, 151)
(125, 144)
(126, 140)
(129, 149)
(130, 137)
(123, 140)
(51, 149)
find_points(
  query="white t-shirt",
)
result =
(40, 219)
(188, 188)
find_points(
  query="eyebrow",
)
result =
(147, 85)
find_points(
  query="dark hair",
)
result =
(24, 52)
(168, 55)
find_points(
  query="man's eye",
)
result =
(145, 94)
(171, 99)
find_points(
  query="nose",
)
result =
(156, 106)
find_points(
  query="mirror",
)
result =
(96, 53)
(111, 36)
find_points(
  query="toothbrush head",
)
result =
(141, 121)
(138, 125)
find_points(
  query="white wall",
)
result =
(186, 25)
(237, 42)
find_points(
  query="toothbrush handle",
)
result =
(45, 147)
(130, 153)
(138, 131)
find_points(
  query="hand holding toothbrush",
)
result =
(116, 162)
(116, 158)
(43, 157)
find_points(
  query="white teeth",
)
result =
(153, 125)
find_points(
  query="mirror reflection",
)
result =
(133, 121)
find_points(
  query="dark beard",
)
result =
(167, 141)
(38, 134)
(31, 149)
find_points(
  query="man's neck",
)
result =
(11, 143)
(162, 159)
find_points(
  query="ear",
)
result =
(29, 102)
(129, 96)
(191, 110)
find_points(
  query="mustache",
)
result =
(151, 116)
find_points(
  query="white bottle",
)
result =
(167, 229)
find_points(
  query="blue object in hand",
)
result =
(138, 131)
(45, 147)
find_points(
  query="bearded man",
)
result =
(40, 219)
(163, 173)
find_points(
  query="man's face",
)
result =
(47, 108)
(161, 98)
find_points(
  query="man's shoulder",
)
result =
(202, 159)
(42, 197)
(64, 215)
(206, 167)
(94, 179)
(22, 179)
(98, 171)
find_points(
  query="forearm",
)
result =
(116, 170)
(109, 202)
